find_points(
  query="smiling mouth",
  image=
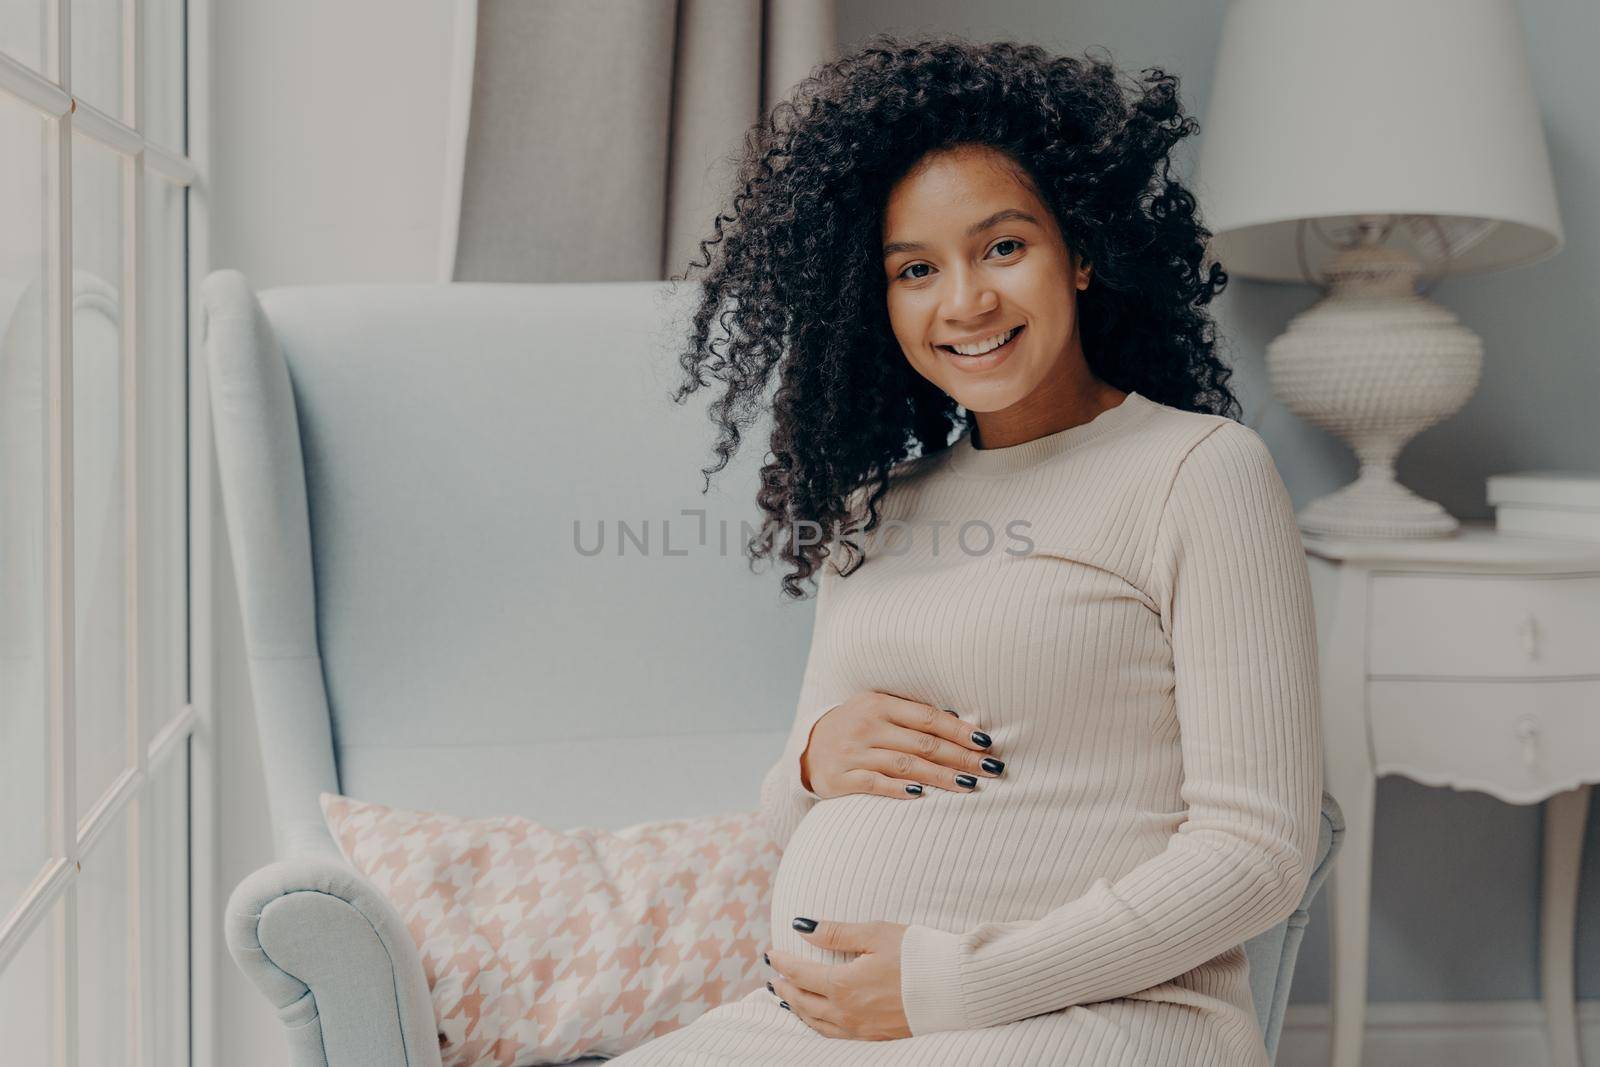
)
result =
(1012, 336)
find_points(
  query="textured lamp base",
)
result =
(1375, 505)
(1375, 364)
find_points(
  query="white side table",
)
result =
(1473, 662)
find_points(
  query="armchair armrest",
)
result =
(1274, 953)
(332, 955)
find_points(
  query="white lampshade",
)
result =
(1332, 109)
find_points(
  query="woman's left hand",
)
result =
(859, 999)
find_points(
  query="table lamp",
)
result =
(1351, 145)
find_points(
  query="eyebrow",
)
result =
(972, 231)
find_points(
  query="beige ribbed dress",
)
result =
(1137, 637)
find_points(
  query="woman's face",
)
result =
(971, 252)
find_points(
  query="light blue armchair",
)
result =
(408, 473)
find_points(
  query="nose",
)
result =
(969, 296)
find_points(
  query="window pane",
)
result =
(25, 256)
(164, 928)
(163, 76)
(97, 176)
(97, 54)
(28, 1008)
(105, 983)
(162, 596)
(22, 33)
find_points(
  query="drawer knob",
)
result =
(1528, 731)
(1528, 628)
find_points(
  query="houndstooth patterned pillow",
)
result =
(542, 945)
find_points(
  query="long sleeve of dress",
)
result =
(784, 798)
(1234, 595)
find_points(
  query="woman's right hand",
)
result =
(880, 743)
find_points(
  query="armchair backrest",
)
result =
(471, 540)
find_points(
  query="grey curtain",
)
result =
(603, 133)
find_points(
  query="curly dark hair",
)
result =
(794, 278)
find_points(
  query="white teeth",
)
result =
(987, 345)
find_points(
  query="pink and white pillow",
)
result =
(543, 945)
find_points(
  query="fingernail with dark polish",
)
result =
(914, 789)
(784, 1004)
(951, 711)
(981, 739)
(966, 781)
(766, 959)
(992, 765)
(774, 992)
(804, 925)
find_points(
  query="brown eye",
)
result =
(918, 277)
(1007, 241)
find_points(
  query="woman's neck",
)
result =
(1046, 410)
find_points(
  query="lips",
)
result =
(1011, 336)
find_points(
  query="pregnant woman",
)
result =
(1057, 754)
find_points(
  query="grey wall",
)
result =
(1455, 874)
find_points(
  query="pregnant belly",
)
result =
(946, 860)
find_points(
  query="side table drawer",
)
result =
(1518, 740)
(1483, 626)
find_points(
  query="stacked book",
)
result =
(1560, 504)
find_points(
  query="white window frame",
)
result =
(188, 731)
